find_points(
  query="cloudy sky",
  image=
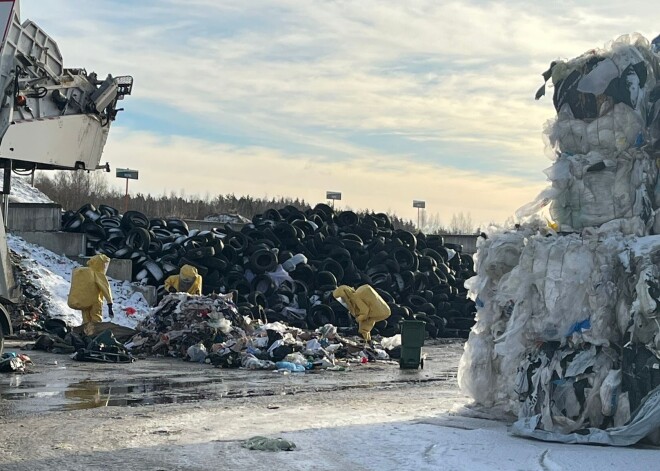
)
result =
(384, 100)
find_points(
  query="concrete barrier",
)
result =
(69, 244)
(468, 241)
(118, 269)
(34, 217)
(208, 225)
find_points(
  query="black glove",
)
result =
(172, 289)
(110, 313)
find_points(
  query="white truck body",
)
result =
(50, 117)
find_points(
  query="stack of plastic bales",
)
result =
(567, 334)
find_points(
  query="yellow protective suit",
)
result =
(366, 305)
(187, 281)
(89, 286)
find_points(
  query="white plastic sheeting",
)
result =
(567, 332)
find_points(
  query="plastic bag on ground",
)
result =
(389, 343)
(197, 353)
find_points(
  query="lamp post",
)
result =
(128, 174)
(419, 204)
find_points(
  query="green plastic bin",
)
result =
(412, 340)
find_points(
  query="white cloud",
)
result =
(291, 74)
(371, 183)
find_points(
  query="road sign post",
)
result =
(128, 174)
(419, 204)
(333, 195)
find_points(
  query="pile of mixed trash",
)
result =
(286, 262)
(567, 334)
(211, 329)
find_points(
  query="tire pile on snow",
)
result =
(285, 264)
(567, 335)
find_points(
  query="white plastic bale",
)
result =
(558, 282)
(596, 188)
(617, 130)
(645, 319)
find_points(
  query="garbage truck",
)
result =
(51, 118)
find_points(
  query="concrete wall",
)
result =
(62, 243)
(208, 225)
(33, 217)
(469, 241)
(149, 293)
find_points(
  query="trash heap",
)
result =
(211, 329)
(284, 265)
(567, 335)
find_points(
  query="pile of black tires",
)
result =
(419, 275)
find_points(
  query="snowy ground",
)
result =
(52, 273)
(23, 192)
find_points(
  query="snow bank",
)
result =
(52, 273)
(23, 192)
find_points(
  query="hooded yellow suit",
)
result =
(187, 281)
(366, 305)
(89, 286)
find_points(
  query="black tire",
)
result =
(263, 284)
(320, 315)
(200, 253)
(217, 262)
(138, 238)
(333, 267)
(93, 230)
(201, 269)
(74, 223)
(461, 323)
(347, 218)
(133, 219)
(108, 210)
(262, 261)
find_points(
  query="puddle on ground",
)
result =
(54, 391)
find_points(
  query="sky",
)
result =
(382, 100)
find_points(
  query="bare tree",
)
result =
(461, 223)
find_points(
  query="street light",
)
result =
(419, 204)
(128, 174)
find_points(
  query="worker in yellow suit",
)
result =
(89, 286)
(187, 281)
(366, 305)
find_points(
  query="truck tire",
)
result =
(5, 326)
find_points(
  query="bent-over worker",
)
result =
(89, 286)
(366, 305)
(187, 281)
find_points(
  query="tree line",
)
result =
(73, 190)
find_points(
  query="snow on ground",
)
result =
(447, 443)
(23, 192)
(52, 273)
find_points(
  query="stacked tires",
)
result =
(419, 276)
